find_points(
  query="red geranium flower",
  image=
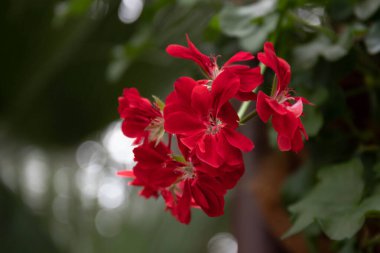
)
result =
(155, 168)
(184, 183)
(249, 78)
(195, 190)
(205, 120)
(284, 108)
(141, 117)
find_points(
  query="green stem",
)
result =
(247, 117)
(274, 86)
(243, 108)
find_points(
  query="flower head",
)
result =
(183, 182)
(249, 78)
(140, 117)
(205, 120)
(282, 106)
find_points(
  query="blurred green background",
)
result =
(64, 63)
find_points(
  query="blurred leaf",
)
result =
(329, 197)
(376, 169)
(338, 50)
(237, 20)
(365, 9)
(348, 247)
(339, 10)
(78, 7)
(118, 65)
(372, 40)
(306, 55)
(254, 41)
(311, 15)
(212, 31)
(343, 224)
(335, 202)
(313, 120)
(187, 3)
(319, 95)
(298, 183)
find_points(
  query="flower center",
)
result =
(188, 171)
(214, 125)
(215, 72)
(283, 96)
(156, 129)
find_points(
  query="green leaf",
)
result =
(343, 224)
(372, 203)
(311, 16)
(179, 158)
(335, 202)
(313, 120)
(340, 188)
(365, 9)
(254, 41)
(159, 103)
(237, 20)
(376, 169)
(347, 223)
(306, 55)
(372, 40)
(298, 183)
(78, 7)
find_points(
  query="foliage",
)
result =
(334, 48)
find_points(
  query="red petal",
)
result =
(201, 100)
(126, 173)
(263, 109)
(224, 87)
(250, 78)
(228, 115)
(193, 140)
(210, 156)
(192, 53)
(184, 86)
(182, 123)
(183, 206)
(284, 142)
(285, 125)
(297, 142)
(276, 107)
(277, 64)
(209, 195)
(238, 140)
(231, 155)
(239, 57)
(246, 96)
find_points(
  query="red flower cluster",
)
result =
(208, 160)
(284, 109)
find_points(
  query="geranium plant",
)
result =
(198, 113)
